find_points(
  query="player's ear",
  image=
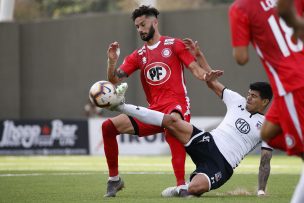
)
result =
(265, 102)
(155, 22)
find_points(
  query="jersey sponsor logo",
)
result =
(166, 52)
(169, 41)
(242, 126)
(157, 73)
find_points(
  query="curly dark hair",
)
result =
(263, 88)
(144, 10)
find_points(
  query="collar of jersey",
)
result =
(252, 114)
(153, 46)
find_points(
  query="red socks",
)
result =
(109, 133)
(178, 153)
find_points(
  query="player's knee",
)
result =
(121, 124)
(198, 185)
(169, 120)
(108, 127)
(197, 190)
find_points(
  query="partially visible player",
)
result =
(257, 21)
(161, 61)
(288, 12)
(92, 111)
(218, 152)
(266, 150)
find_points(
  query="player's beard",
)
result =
(149, 36)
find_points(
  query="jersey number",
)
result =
(280, 38)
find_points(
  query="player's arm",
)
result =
(202, 74)
(240, 34)
(264, 169)
(216, 87)
(240, 54)
(115, 75)
(194, 48)
(287, 11)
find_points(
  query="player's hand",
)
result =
(192, 46)
(113, 53)
(213, 75)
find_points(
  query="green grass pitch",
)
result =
(83, 179)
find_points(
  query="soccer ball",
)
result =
(102, 94)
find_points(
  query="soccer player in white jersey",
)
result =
(218, 152)
(266, 150)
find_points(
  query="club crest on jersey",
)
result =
(218, 176)
(259, 125)
(166, 52)
(157, 73)
(290, 142)
(242, 126)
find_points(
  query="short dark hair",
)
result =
(263, 88)
(144, 10)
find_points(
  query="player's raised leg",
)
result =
(179, 128)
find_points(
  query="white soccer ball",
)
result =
(102, 94)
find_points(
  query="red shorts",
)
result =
(143, 129)
(288, 112)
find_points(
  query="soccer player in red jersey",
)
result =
(161, 61)
(282, 55)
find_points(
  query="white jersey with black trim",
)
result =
(239, 132)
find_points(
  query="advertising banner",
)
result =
(43, 137)
(134, 145)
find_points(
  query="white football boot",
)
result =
(170, 192)
(120, 96)
(261, 193)
(177, 191)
